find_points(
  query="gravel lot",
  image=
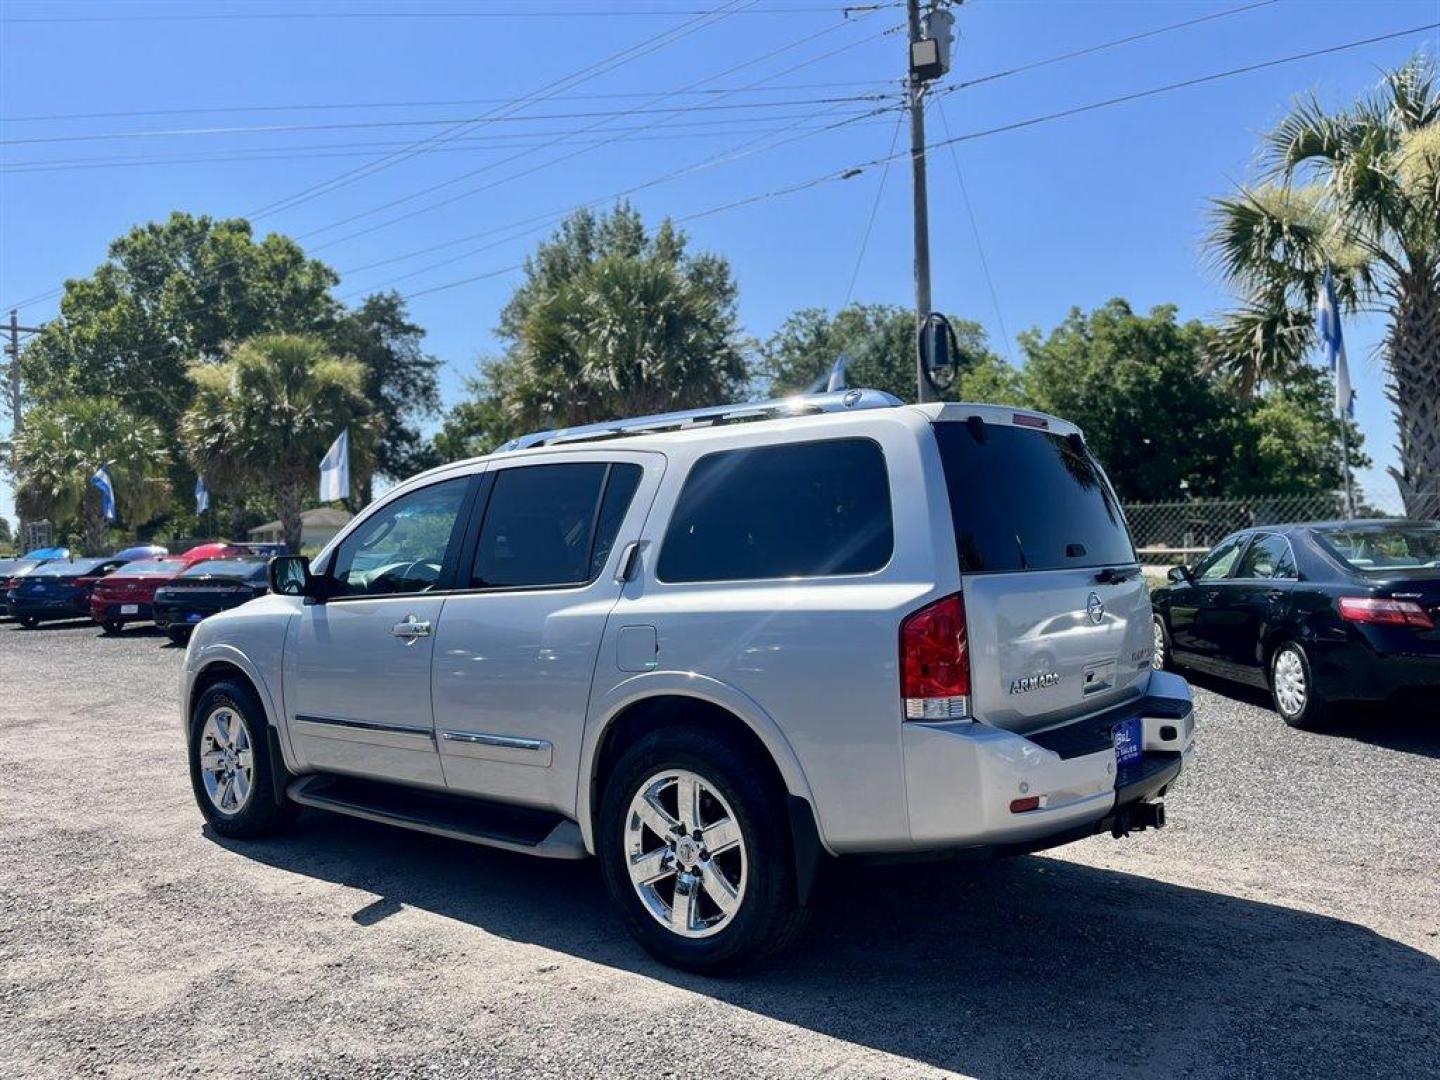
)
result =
(1285, 924)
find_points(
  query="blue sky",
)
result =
(1071, 212)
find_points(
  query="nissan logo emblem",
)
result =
(1095, 608)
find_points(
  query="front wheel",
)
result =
(230, 766)
(1292, 686)
(695, 850)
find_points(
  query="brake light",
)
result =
(935, 662)
(1381, 612)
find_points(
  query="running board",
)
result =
(476, 821)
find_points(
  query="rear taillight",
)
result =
(935, 662)
(1371, 609)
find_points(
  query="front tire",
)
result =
(1292, 688)
(696, 853)
(230, 766)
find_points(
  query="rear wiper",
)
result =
(1113, 575)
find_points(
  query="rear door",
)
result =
(1251, 601)
(1056, 609)
(516, 647)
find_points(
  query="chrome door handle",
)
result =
(411, 630)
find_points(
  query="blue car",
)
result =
(56, 590)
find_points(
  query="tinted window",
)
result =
(1268, 557)
(158, 568)
(400, 548)
(1023, 499)
(1217, 564)
(551, 524)
(236, 568)
(801, 510)
(1379, 549)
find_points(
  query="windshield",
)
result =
(1023, 499)
(236, 568)
(1380, 549)
(158, 568)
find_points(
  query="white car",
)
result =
(714, 649)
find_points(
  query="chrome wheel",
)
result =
(227, 760)
(685, 854)
(1157, 658)
(1289, 678)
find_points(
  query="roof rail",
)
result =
(835, 401)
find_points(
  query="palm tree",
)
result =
(264, 418)
(1359, 191)
(62, 445)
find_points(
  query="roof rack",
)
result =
(836, 401)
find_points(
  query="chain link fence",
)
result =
(1168, 533)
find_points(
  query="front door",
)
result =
(357, 666)
(1194, 632)
(517, 645)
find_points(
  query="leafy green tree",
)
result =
(1358, 190)
(262, 420)
(62, 445)
(878, 339)
(7, 538)
(1141, 389)
(400, 381)
(611, 320)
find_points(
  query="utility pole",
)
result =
(16, 410)
(929, 57)
(915, 91)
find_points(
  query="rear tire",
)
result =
(701, 909)
(177, 636)
(1292, 688)
(231, 772)
(111, 627)
(29, 622)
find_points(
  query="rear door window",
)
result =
(797, 510)
(552, 525)
(1024, 499)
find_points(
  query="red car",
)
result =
(218, 550)
(126, 595)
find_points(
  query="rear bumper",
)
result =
(961, 778)
(108, 611)
(49, 608)
(1359, 671)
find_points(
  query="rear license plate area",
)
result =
(1129, 738)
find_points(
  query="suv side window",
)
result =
(1269, 557)
(1217, 564)
(401, 548)
(806, 509)
(552, 525)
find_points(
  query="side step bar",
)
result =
(476, 821)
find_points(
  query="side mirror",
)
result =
(290, 576)
(1179, 574)
(936, 356)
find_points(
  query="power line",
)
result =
(264, 129)
(526, 13)
(874, 212)
(435, 103)
(557, 86)
(975, 232)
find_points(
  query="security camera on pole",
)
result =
(930, 39)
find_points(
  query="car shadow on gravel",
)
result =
(1410, 728)
(1033, 965)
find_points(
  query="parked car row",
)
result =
(143, 584)
(1321, 615)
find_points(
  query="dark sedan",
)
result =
(206, 588)
(56, 590)
(1318, 614)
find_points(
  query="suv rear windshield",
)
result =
(1023, 499)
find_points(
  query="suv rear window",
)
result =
(1023, 499)
(808, 509)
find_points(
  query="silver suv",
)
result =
(715, 650)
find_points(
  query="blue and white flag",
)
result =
(831, 380)
(202, 495)
(101, 480)
(1327, 324)
(335, 470)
